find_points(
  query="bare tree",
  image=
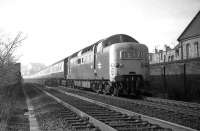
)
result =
(7, 57)
(8, 48)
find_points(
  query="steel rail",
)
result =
(162, 123)
(102, 126)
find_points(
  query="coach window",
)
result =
(86, 59)
(82, 61)
(60, 67)
(90, 58)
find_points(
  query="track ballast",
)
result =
(172, 111)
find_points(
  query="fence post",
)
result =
(164, 81)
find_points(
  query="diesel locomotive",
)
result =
(115, 65)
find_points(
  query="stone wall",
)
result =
(176, 80)
(10, 75)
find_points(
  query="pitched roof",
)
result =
(193, 28)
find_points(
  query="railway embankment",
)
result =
(13, 109)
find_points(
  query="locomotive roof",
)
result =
(118, 38)
(89, 48)
(74, 55)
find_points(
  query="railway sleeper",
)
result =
(90, 107)
(64, 111)
(83, 127)
(106, 115)
(121, 121)
(80, 124)
(75, 121)
(90, 110)
(141, 123)
(71, 118)
(65, 116)
(77, 124)
(115, 125)
(143, 129)
(97, 111)
(109, 117)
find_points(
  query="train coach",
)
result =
(115, 65)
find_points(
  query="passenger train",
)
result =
(115, 65)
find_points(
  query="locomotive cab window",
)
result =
(123, 54)
(131, 54)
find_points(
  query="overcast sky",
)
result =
(58, 28)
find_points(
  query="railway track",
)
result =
(169, 111)
(109, 119)
(51, 115)
(114, 117)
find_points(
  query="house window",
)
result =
(196, 46)
(172, 58)
(187, 50)
(177, 52)
(150, 57)
(169, 58)
(164, 58)
(161, 56)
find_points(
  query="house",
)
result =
(162, 56)
(189, 40)
(188, 47)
